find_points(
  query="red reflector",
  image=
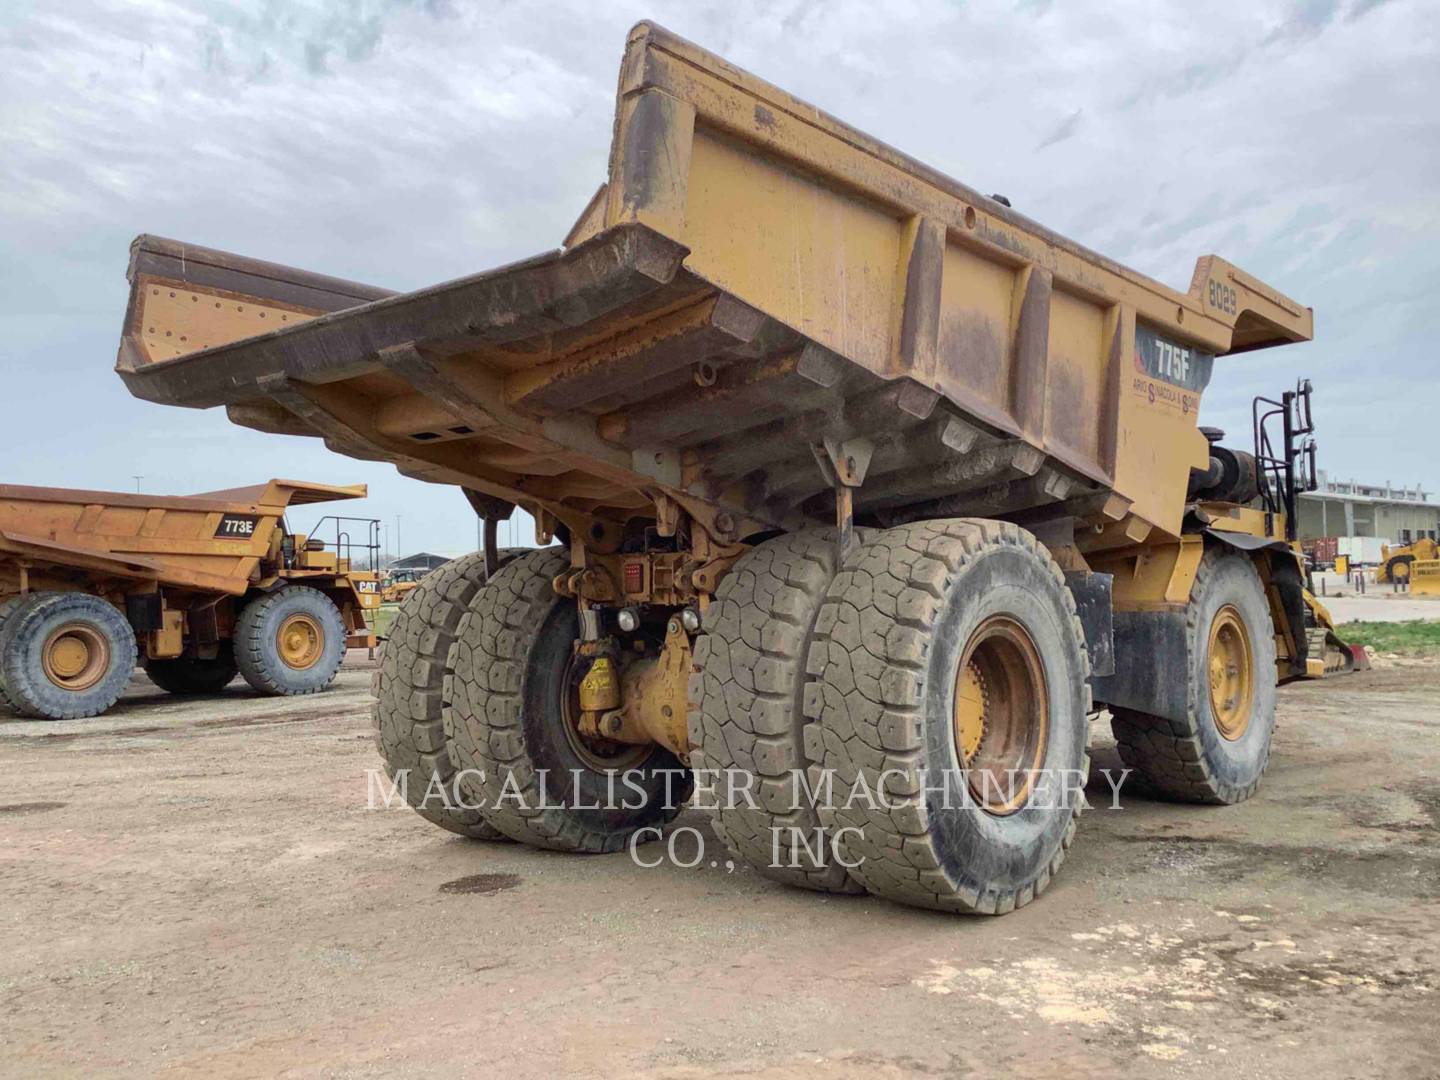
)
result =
(634, 577)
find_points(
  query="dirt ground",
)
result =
(200, 888)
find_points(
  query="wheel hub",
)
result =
(590, 746)
(75, 656)
(970, 705)
(1232, 679)
(1001, 714)
(300, 642)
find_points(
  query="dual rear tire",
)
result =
(408, 691)
(912, 721)
(510, 713)
(939, 722)
(946, 709)
(475, 707)
(812, 681)
(949, 678)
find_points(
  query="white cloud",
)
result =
(406, 143)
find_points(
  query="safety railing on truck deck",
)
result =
(1287, 471)
(345, 545)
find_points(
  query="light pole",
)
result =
(137, 480)
(397, 537)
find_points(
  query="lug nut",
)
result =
(628, 620)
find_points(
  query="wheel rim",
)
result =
(1001, 714)
(300, 641)
(1232, 678)
(75, 656)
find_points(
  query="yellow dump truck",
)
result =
(197, 588)
(862, 492)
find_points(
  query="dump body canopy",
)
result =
(755, 283)
(211, 542)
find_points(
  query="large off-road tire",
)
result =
(1398, 568)
(290, 641)
(1214, 754)
(9, 604)
(408, 690)
(507, 722)
(747, 714)
(946, 652)
(65, 655)
(186, 676)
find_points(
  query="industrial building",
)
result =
(424, 561)
(1397, 515)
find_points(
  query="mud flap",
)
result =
(1092, 604)
(1153, 678)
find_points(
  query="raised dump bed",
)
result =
(858, 472)
(92, 580)
(756, 277)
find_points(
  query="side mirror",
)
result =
(1304, 422)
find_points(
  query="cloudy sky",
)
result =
(402, 144)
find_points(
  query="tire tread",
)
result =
(868, 659)
(255, 657)
(747, 698)
(1168, 753)
(407, 690)
(484, 708)
(25, 691)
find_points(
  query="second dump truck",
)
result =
(195, 588)
(860, 491)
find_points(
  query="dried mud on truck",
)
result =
(845, 472)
